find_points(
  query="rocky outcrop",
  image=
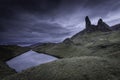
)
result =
(101, 26)
(89, 28)
(68, 41)
(88, 22)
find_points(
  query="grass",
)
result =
(90, 56)
(89, 44)
(5, 70)
(76, 68)
(9, 51)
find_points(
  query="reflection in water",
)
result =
(29, 59)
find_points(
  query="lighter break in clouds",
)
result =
(64, 21)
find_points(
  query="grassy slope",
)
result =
(85, 64)
(9, 51)
(5, 70)
(89, 44)
(78, 68)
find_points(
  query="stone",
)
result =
(68, 41)
(102, 26)
(88, 22)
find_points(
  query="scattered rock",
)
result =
(68, 41)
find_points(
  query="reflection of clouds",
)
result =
(28, 60)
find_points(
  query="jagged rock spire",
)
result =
(88, 22)
(102, 26)
(100, 21)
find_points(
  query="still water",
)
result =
(29, 59)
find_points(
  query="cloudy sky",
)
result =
(32, 21)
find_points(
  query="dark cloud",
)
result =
(42, 5)
(51, 20)
(40, 32)
(9, 8)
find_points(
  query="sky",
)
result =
(33, 21)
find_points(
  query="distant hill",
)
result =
(116, 27)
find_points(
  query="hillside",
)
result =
(78, 68)
(116, 27)
(9, 51)
(92, 41)
(92, 54)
